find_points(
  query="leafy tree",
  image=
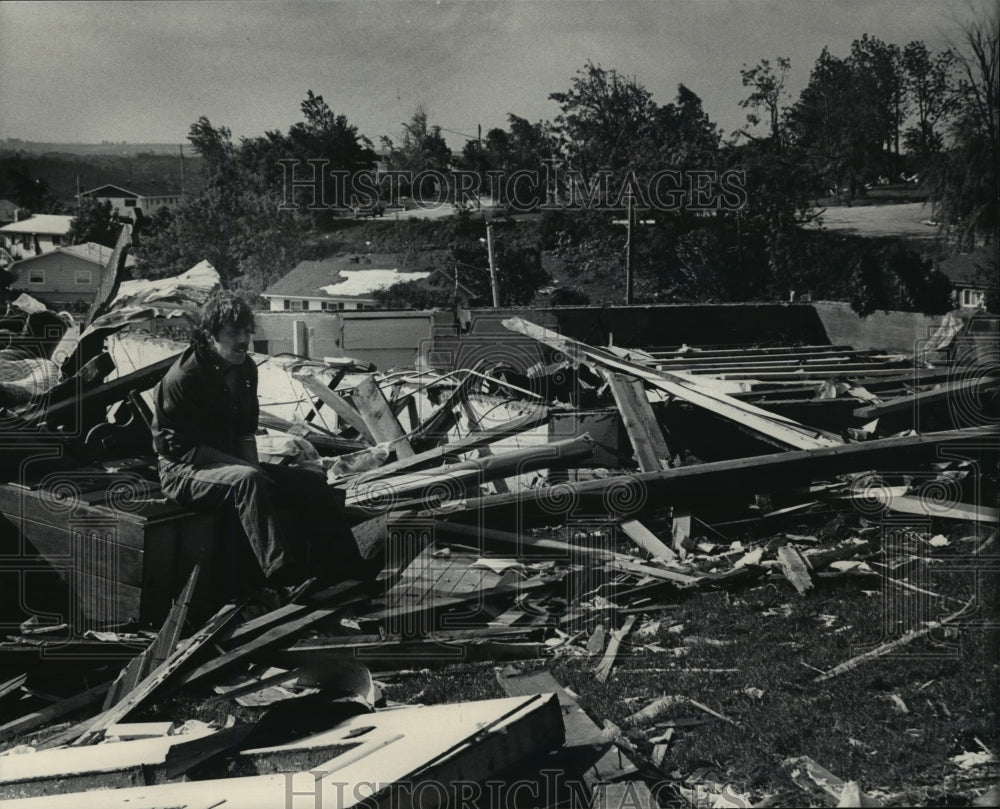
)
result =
(32, 193)
(422, 148)
(963, 179)
(95, 223)
(604, 121)
(767, 95)
(930, 90)
(846, 120)
(880, 82)
(523, 146)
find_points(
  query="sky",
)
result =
(143, 72)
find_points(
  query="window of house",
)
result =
(130, 203)
(83, 276)
(296, 306)
(288, 304)
(972, 297)
(305, 306)
(56, 241)
(36, 276)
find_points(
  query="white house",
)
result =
(148, 198)
(971, 275)
(35, 235)
(341, 283)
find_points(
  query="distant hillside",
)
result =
(61, 171)
(122, 149)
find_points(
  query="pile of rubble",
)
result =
(523, 511)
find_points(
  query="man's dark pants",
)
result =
(291, 517)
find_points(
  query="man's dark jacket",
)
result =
(194, 406)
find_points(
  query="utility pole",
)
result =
(628, 254)
(493, 266)
(628, 245)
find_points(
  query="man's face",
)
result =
(232, 344)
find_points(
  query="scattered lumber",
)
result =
(93, 731)
(634, 494)
(783, 431)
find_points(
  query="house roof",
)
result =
(969, 269)
(43, 223)
(89, 251)
(139, 188)
(342, 277)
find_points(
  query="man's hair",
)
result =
(224, 308)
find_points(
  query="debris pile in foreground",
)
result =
(557, 516)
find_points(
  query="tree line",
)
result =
(880, 114)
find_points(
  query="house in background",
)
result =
(67, 277)
(970, 275)
(345, 283)
(146, 197)
(35, 235)
(8, 211)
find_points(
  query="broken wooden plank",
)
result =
(344, 410)
(248, 649)
(159, 650)
(911, 403)
(433, 428)
(50, 713)
(243, 632)
(777, 429)
(93, 730)
(795, 568)
(761, 473)
(916, 505)
(588, 751)
(647, 540)
(382, 423)
(469, 443)
(673, 576)
(891, 646)
(452, 481)
(645, 433)
(603, 670)
(12, 685)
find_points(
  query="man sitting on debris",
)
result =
(205, 417)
